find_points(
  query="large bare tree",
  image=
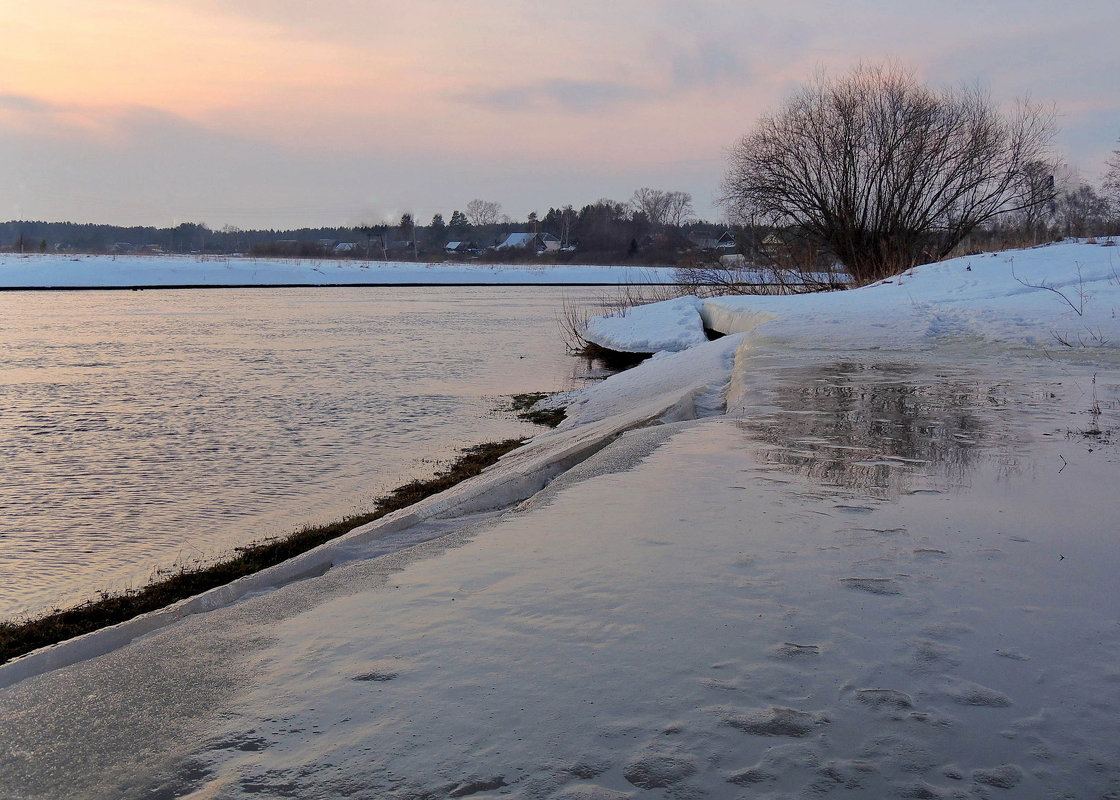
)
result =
(662, 208)
(654, 203)
(680, 208)
(484, 212)
(886, 172)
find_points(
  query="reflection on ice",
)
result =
(880, 428)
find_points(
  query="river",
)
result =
(147, 430)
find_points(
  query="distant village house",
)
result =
(540, 242)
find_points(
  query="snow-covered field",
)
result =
(53, 271)
(864, 546)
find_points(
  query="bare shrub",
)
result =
(572, 322)
(779, 265)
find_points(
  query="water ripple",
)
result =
(142, 429)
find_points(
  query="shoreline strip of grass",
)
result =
(22, 637)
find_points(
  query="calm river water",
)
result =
(143, 429)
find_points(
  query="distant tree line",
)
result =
(870, 173)
(653, 227)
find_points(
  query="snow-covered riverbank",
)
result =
(68, 272)
(877, 563)
(1058, 295)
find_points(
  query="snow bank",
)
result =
(52, 271)
(1068, 291)
(1058, 293)
(669, 325)
(671, 385)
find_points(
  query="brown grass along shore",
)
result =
(19, 637)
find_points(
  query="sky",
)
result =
(290, 113)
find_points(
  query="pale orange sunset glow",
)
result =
(187, 62)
